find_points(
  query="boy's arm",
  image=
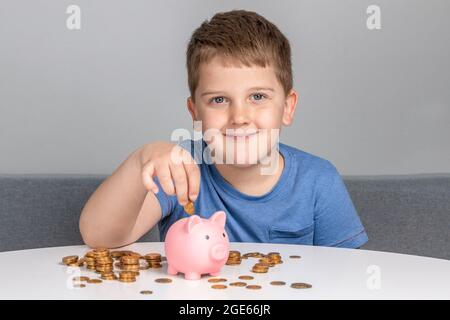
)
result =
(121, 210)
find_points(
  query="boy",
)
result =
(240, 81)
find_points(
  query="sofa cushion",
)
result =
(404, 214)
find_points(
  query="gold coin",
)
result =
(146, 292)
(79, 285)
(219, 286)
(238, 284)
(301, 285)
(69, 260)
(127, 274)
(163, 280)
(295, 257)
(94, 281)
(153, 256)
(246, 278)
(214, 280)
(253, 287)
(82, 278)
(278, 283)
(189, 208)
(260, 269)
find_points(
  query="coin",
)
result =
(189, 208)
(278, 283)
(79, 285)
(238, 284)
(153, 256)
(163, 280)
(146, 292)
(253, 287)
(127, 276)
(246, 277)
(94, 281)
(301, 285)
(219, 286)
(82, 278)
(214, 280)
(295, 257)
(69, 260)
(234, 258)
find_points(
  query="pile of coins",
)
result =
(234, 258)
(262, 266)
(130, 262)
(127, 276)
(154, 260)
(70, 261)
(103, 262)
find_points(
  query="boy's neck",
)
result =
(249, 180)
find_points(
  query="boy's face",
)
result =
(242, 110)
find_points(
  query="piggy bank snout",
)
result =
(219, 252)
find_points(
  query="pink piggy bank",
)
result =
(196, 246)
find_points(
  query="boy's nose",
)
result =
(239, 114)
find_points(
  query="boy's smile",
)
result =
(240, 108)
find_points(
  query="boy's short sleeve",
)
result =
(337, 223)
(166, 202)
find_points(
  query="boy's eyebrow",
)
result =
(254, 88)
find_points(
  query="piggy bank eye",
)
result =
(223, 235)
(207, 237)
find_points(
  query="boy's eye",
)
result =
(259, 96)
(217, 99)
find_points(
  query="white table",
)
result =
(333, 273)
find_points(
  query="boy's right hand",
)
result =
(175, 168)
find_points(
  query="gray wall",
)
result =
(372, 102)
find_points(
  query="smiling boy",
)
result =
(240, 81)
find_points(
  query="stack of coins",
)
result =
(130, 262)
(104, 264)
(234, 258)
(127, 276)
(90, 260)
(117, 254)
(260, 267)
(153, 259)
(274, 257)
(253, 255)
(70, 260)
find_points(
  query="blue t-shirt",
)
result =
(308, 205)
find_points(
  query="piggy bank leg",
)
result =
(171, 270)
(192, 276)
(215, 274)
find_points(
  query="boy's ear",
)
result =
(191, 108)
(290, 105)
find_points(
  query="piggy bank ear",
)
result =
(219, 218)
(192, 222)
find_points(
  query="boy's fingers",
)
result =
(180, 179)
(147, 177)
(165, 179)
(193, 176)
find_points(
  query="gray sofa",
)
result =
(404, 214)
